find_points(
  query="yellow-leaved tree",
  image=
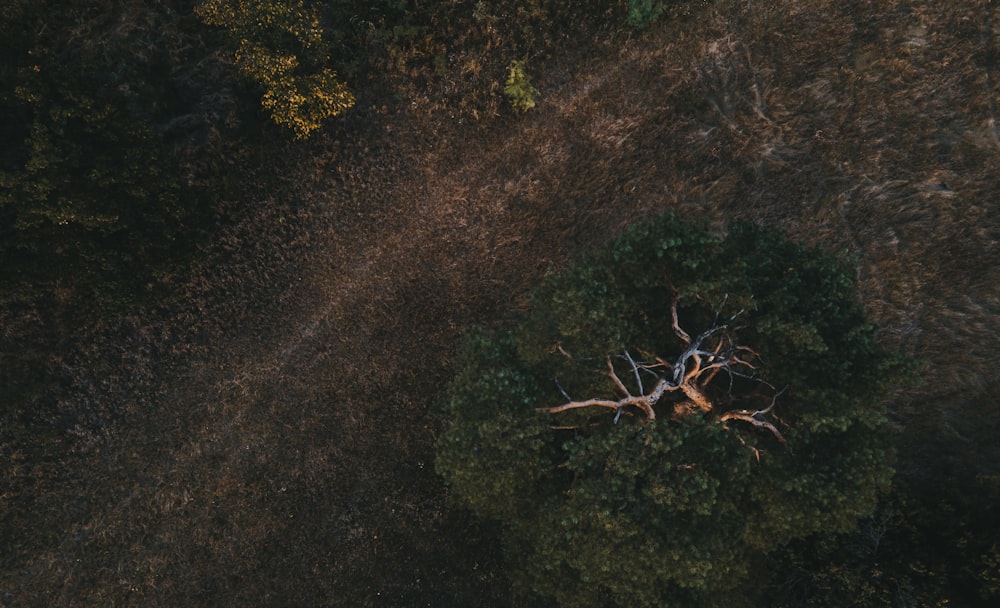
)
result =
(280, 45)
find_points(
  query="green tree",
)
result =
(738, 405)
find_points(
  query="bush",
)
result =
(641, 13)
(519, 89)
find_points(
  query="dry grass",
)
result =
(263, 438)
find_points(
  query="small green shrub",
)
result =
(641, 13)
(519, 90)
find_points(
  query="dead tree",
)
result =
(704, 357)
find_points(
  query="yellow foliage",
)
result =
(297, 99)
(262, 65)
(288, 16)
(519, 90)
(302, 103)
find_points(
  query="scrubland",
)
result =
(260, 434)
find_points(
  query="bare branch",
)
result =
(669, 366)
(573, 405)
(756, 452)
(757, 422)
(697, 396)
(713, 371)
(683, 335)
(635, 370)
(774, 399)
(690, 374)
(639, 402)
(563, 391)
(616, 379)
(757, 418)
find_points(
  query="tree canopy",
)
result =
(670, 410)
(281, 46)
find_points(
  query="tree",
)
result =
(281, 46)
(737, 405)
